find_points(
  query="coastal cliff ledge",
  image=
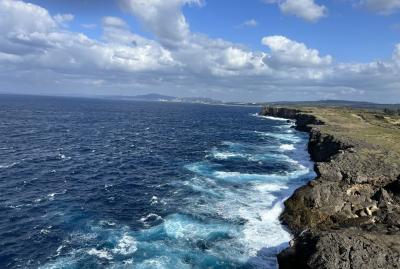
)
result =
(349, 215)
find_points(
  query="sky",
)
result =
(231, 50)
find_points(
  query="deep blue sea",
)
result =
(88, 183)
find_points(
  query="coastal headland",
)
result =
(349, 215)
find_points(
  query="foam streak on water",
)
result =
(142, 185)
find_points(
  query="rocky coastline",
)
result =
(349, 215)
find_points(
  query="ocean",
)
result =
(88, 183)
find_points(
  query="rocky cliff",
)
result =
(349, 216)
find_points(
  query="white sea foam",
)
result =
(225, 155)
(59, 249)
(269, 187)
(234, 222)
(287, 147)
(162, 262)
(102, 254)
(259, 208)
(107, 223)
(183, 227)
(44, 231)
(51, 196)
(269, 117)
(244, 177)
(150, 218)
(265, 230)
(126, 245)
(280, 136)
(254, 157)
(154, 200)
(8, 165)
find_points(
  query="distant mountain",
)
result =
(154, 97)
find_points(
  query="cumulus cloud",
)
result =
(17, 16)
(383, 7)
(30, 36)
(396, 54)
(62, 19)
(289, 53)
(114, 22)
(36, 52)
(162, 18)
(305, 9)
(89, 25)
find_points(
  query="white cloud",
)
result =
(383, 7)
(305, 9)
(17, 16)
(396, 54)
(250, 23)
(289, 53)
(162, 18)
(31, 37)
(37, 52)
(89, 25)
(62, 19)
(114, 22)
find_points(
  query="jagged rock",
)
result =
(348, 249)
(394, 187)
(383, 197)
(350, 207)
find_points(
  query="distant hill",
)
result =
(154, 97)
(339, 103)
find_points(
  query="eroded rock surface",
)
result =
(349, 216)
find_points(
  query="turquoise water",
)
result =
(111, 184)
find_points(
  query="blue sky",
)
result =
(348, 34)
(230, 50)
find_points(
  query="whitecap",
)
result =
(225, 155)
(103, 253)
(183, 227)
(107, 223)
(150, 218)
(154, 200)
(270, 187)
(287, 147)
(126, 245)
(52, 195)
(280, 136)
(162, 262)
(44, 231)
(59, 249)
(269, 117)
(9, 165)
(245, 177)
(266, 225)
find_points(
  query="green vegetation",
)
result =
(374, 127)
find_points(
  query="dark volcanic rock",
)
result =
(347, 249)
(349, 216)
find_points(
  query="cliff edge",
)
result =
(349, 215)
